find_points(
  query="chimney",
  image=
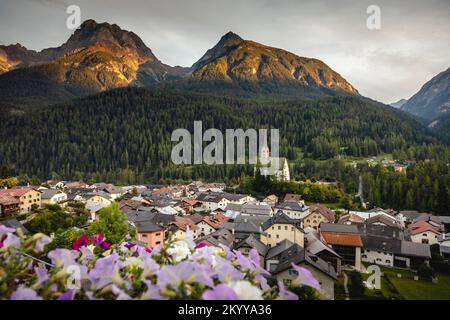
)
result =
(232, 231)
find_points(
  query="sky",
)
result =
(387, 64)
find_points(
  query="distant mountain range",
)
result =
(433, 99)
(100, 56)
(398, 104)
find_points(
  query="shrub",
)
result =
(426, 272)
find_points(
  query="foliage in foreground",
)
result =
(95, 270)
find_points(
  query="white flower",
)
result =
(179, 251)
(246, 291)
(134, 262)
(41, 241)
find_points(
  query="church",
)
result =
(281, 171)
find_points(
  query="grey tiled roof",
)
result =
(291, 205)
(148, 226)
(338, 228)
(48, 193)
(14, 223)
(415, 249)
(280, 218)
(279, 248)
(253, 242)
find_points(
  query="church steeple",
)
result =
(265, 152)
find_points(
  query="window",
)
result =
(425, 241)
(285, 227)
(279, 227)
(292, 228)
(157, 242)
(278, 236)
(144, 235)
(158, 234)
(293, 272)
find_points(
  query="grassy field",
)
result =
(406, 288)
(423, 290)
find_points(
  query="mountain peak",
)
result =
(235, 61)
(228, 40)
(230, 35)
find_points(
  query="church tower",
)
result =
(265, 153)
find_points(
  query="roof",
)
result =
(444, 219)
(444, 237)
(293, 254)
(254, 243)
(196, 218)
(15, 224)
(445, 249)
(216, 220)
(280, 218)
(184, 223)
(297, 255)
(338, 228)
(243, 227)
(49, 193)
(351, 217)
(15, 192)
(382, 244)
(255, 219)
(279, 248)
(6, 199)
(314, 245)
(210, 197)
(381, 218)
(382, 231)
(272, 197)
(415, 249)
(147, 226)
(218, 237)
(95, 206)
(234, 196)
(324, 211)
(236, 207)
(137, 216)
(428, 217)
(342, 239)
(256, 209)
(410, 214)
(291, 205)
(422, 226)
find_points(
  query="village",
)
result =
(284, 230)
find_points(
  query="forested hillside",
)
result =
(128, 130)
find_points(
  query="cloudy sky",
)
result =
(412, 46)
